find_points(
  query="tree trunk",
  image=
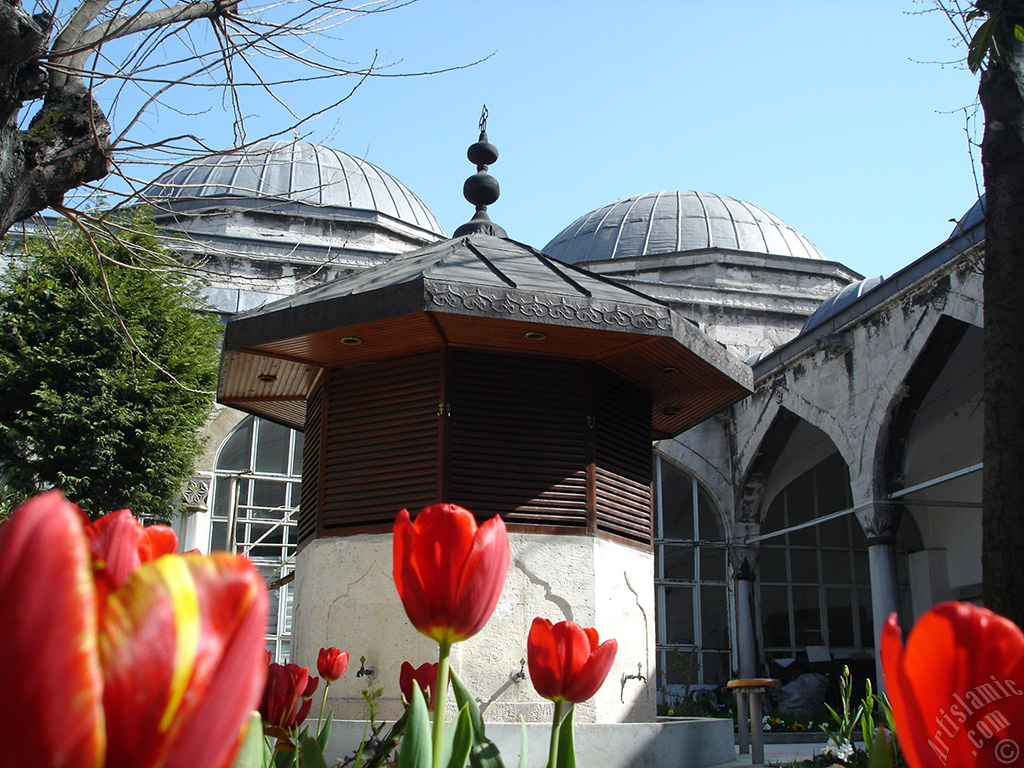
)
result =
(66, 144)
(1003, 501)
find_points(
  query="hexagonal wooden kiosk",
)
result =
(482, 372)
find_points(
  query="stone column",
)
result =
(744, 559)
(880, 521)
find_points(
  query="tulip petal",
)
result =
(482, 579)
(50, 681)
(592, 676)
(956, 687)
(181, 645)
(543, 659)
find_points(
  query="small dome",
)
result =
(974, 216)
(670, 222)
(837, 302)
(291, 171)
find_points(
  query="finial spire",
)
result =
(481, 189)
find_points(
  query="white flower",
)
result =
(767, 726)
(766, 719)
(842, 751)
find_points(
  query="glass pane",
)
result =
(835, 566)
(714, 617)
(221, 498)
(679, 615)
(715, 669)
(860, 566)
(270, 494)
(867, 635)
(682, 667)
(236, 453)
(806, 617)
(771, 564)
(272, 445)
(835, 532)
(709, 527)
(804, 565)
(219, 537)
(297, 455)
(775, 616)
(272, 612)
(677, 562)
(676, 503)
(840, 617)
(712, 564)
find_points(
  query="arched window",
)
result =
(691, 585)
(813, 583)
(254, 512)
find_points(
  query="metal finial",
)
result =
(481, 189)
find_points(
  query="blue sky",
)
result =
(839, 116)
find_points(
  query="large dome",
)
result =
(291, 171)
(670, 222)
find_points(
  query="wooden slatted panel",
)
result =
(623, 457)
(381, 443)
(518, 442)
(310, 465)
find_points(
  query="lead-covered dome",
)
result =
(670, 222)
(294, 172)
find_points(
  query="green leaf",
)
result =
(462, 741)
(980, 44)
(253, 751)
(312, 755)
(325, 732)
(485, 752)
(567, 741)
(465, 698)
(416, 747)
(522, 743)
(1018, 32)
(881, 756)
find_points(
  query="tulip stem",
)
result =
(323, 703)
(556, 726)
(444, 648)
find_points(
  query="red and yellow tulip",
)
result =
(956, 688)
(113, 655)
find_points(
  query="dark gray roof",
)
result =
(839, 301)
(294, 172)
(670, 222)
(480, 261)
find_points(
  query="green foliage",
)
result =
(1000, 33)
(107, 369)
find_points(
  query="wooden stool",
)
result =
(748, 699)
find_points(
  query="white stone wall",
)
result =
(345, 597)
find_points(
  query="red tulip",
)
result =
(957, 687)
(448, 572)
(566, 662)
(119, 544)
(331, 664)
(425, 676)
(164, 670)
(286, 699)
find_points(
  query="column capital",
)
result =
(880, 520)
(743, 555)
